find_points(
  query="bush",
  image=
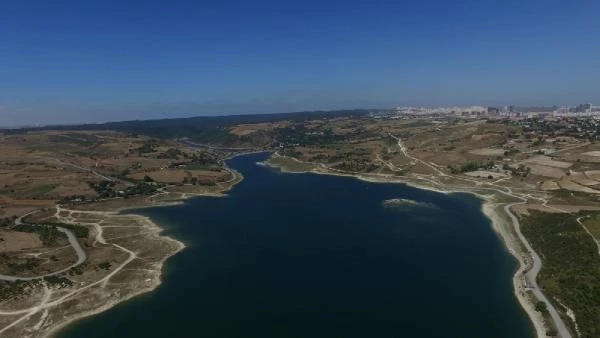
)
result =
(104, 265)
(570, 270)
(541, 306)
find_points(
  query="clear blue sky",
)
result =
(76, 61)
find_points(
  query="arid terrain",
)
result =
(79, 180)
(522, 173)
(83, 181)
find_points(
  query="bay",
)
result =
(305, 255)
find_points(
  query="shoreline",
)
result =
(148, 283)
(126, 211)
(489, 208)
(513, 246)
(51, 332)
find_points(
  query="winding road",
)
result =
(531, 275)
(81, 256)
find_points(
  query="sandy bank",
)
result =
(134, 246)
(153, 283)
(493, 210)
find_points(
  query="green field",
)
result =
(571, 265)
(593, 225)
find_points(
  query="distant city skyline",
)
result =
(100, 61)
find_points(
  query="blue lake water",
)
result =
(304, 255)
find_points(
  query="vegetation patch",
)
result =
(10, 290)
(48, 234)
(80, 231)
(60, 282)
(571, 265)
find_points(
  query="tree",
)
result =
(541, 306)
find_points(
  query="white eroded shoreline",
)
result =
(489, 208)
(514, 241)
(156, 230)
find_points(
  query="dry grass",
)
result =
(174, 176)
(549, 185)
(545, 171)
(572, 186)
(247, 129)
(486, 173)
(487, 152)
(548, 162)
(14, 241)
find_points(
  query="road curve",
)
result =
(531, 275)
(81, 256)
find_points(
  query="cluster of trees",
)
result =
(139, 189)
(541, 306)
(359, 154)
(201, 129)
(540, 141)
(356, 166)
(48, 233)
(171, 153)
(201, 181)
(7, 221)
(511, 152)
(318, 158)
(78, 230)
(16, 268)
(521, 170)
(299, 134)
(105, 265)
(60, 282)
(104, 188)
(199, 161)
(291, 152)
(71, 199)
(471, 166)
(147, 147)
(9, 290)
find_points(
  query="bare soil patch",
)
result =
(545, 171)
(14, 241)
(487, 152)
(570, 185)
(548, 161)
(549, 185)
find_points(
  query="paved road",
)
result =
(81, 256)
(531, 275)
